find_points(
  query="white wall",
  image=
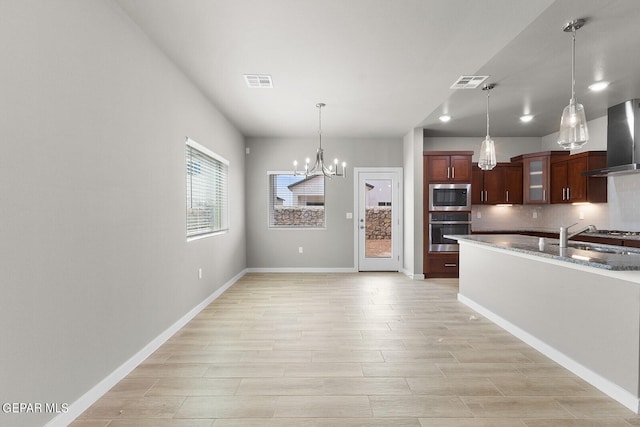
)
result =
(331, 248)
(93, 258)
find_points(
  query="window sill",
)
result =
(204, 236)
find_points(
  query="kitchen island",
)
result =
(579, 307)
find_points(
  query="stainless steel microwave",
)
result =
(449, 197)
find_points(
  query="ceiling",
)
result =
(384, 67)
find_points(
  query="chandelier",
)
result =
(319, 167)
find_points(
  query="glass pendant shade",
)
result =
(487, 159)
(573, 127)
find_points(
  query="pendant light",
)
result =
(573, 125)
(487, 159)
(319, 167)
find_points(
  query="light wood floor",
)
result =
(366, 349)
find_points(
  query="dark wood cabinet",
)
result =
(442, 167)
(632, 243)
(536, 179)
(442, 265)
(513, 183)
(502, 184)
(569, 186)
(445, 166)
(598, 239)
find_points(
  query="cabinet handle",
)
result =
(507, 196)
(568, 194)
(486, 196)
(453, 172)
(451, 265)
(564, 192)
(481, 196)
(448, 172)
(544, 195)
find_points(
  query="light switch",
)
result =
(349, 215)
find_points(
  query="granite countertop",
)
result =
(626, 259)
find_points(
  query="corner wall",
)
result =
(328, 249)
(94, 263)
(413, 203)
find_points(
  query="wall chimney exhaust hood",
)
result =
(623, 140)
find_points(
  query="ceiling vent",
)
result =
(468, 82)
(258, 80)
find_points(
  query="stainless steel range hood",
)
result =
(623, 140)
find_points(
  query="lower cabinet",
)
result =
(441, 264)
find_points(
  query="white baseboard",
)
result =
(95, 393)
(301, 270)
(411, 275)
(611, 389)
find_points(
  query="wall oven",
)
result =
(449, 197)
(441, 223)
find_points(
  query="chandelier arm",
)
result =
(320, 123)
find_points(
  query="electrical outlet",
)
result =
(199, 273)
(581, 215)
(247, 150)
(535, 214)
(349, 215)
(299, 249)
(478, 214)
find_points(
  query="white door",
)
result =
(378, 221)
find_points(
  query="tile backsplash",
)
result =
(622, 212)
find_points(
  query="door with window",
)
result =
(379, 227)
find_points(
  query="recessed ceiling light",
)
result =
(526, 118)
(258, 80)
(598, 86)
(445, 118)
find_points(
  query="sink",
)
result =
(601, 249)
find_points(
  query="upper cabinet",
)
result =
(569, 186)
(500, 185)
(536, 176)
(448, 166)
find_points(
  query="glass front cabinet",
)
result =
(536, 175)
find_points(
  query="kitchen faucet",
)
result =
(565, 236)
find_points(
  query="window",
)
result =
(207, 201)
(296, 201)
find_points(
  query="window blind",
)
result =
(296, 201)
(207, 194)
